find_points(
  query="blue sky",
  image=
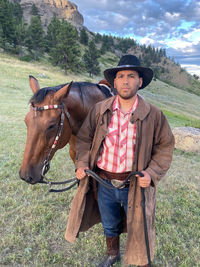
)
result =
(170, 24)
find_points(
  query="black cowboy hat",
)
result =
(129, 62)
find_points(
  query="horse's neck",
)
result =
(81, 98)
(76, 113)
(106, 90)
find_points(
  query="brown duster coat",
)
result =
(153, 153)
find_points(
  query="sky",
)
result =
(170, 24)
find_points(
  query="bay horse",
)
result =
(55, 117)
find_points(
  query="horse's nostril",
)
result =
(29, 179)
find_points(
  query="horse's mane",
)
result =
(38, 97)
(41, 94)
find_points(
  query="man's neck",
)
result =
(126, 104)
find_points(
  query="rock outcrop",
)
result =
(63, 9)
(187, 138)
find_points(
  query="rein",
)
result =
(102, 181)
(46, 164)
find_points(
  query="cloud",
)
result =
(193, 69)
(168, 24)
(147, 41)
(180, 45)
(142, 16)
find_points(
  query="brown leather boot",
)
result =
(112, 251)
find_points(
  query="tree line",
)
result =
(65, 46)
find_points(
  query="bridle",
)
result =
(46, 164)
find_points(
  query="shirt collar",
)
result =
(116, 105)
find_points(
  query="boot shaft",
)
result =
(112, 245)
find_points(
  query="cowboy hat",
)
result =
(129, 62)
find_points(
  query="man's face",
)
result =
(127, 83)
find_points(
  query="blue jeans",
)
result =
(110, 203)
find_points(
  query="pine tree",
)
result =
(1, 36)
(20, 36)
(17, 13)
(6, 23)
(10, 17)
(108, 42)
(53, 30)
(35, 37)
(66, 53)
(98, 38)
(124, 44)
(90, 59)
(103, 48)
(83, 37)
(34, 10)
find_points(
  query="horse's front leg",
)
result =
(72, 147)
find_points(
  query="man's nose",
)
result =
(125, 81)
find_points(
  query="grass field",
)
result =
(32, 222)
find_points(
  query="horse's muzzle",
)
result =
(30, 180)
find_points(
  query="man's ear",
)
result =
(114, 83)
(141, 81)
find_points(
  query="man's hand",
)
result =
(144, 181)
(80, 173)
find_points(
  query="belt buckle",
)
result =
(117, 183)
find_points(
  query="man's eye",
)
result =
(51, 127)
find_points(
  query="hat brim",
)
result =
(146, 74)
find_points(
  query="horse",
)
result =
(54, 119)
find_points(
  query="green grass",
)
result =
(33, 222)
(173, 100)
(177, 120)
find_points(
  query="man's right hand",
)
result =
(80, 173)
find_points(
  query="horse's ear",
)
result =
(34, 84)
(63, 92)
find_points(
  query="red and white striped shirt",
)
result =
(118, 147)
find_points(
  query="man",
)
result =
(121, 134)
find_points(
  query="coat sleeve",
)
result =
(84, 139)
(162, 150)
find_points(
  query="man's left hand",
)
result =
(144, 181)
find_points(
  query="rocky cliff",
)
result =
(63, 9)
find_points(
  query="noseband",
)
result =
(46, 164)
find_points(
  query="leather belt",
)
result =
(115, 178)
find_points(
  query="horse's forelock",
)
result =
(41, 94)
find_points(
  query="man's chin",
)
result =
(127, 96)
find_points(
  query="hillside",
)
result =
(31, 30)
(182, 108)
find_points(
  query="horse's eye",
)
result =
(51, 127)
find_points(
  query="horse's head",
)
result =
(43, 123)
